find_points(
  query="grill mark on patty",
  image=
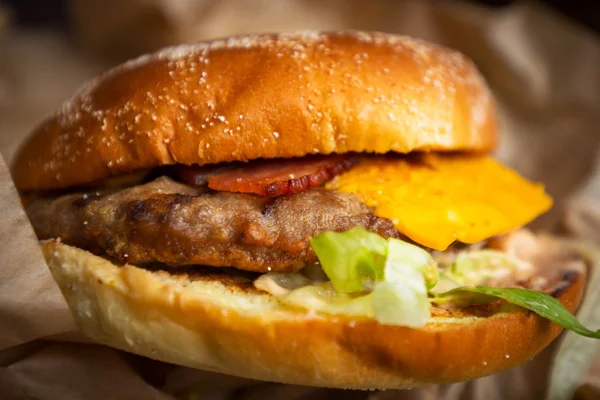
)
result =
(176, 224)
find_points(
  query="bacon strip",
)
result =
(272, 178)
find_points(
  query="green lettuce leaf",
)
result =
(540, 303)
(324, 298)
(399, 274)
(401, 298)
(396, 282)
(404, 256)
(476, 267)
(351, 258)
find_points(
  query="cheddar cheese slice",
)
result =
(436, 199)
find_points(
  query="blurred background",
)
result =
(541, 59)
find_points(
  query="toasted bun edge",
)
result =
(262, 96)
(228, 327)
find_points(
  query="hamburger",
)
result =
(308, 208)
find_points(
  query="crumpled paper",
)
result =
(545, 74)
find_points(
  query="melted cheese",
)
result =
(437, 199)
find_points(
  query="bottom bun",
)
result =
(219, 322)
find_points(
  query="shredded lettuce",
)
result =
(324, 298)
(476, 267)
(296, 290)
(462, 285)
(351, 259)
(540, 303)
(403, 256)
(399, 273)
(401, 297)
(395, 282)
(448, 283)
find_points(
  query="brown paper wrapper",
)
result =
(545, 74)
(24, 278)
